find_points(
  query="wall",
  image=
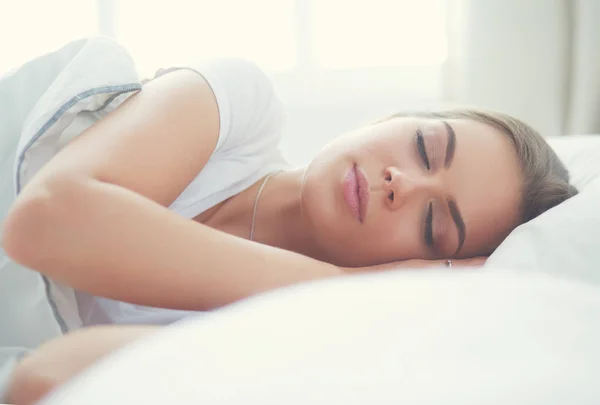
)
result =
(514, 56)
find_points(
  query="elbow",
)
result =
(27, 232)
(23, 226)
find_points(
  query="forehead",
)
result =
(485, 180)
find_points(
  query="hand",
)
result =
(419, 264)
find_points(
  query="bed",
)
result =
(522, 330)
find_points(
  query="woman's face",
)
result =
(412, 188)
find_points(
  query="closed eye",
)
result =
(421, 148)
(429, 227)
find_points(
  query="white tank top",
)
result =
(247, 149)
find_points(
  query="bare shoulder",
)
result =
(155, 143)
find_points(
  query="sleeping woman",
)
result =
(179, 201)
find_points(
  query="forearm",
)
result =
(112, 242)
(57, 361)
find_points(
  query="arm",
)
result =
(57, 361)
(412, 264)
(95, 217)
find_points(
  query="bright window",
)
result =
(163, 33)
(378, 33)
(386, 48)
(338, 34)
(29, 28)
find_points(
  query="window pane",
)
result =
(160, 34)
(31, 28)
(368, 33)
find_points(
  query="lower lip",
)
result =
(356, 193)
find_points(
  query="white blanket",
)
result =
(43, 104)
(420, 338)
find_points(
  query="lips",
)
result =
(356, 192)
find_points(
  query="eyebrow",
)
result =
(451, 146)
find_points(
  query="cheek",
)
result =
(391, 151)
(317, 195)
(394, 236)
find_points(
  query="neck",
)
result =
(279, 220)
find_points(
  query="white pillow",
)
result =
(408, 337)
(581, 155)
(564, 240)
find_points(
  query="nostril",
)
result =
(388, 177)
(391, 196)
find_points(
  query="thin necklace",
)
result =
(264, 183)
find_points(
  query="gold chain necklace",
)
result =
(260, 190)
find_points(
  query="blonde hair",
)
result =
(545, 178)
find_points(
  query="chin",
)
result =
(318, 203)
(323, 207)
(331, 227)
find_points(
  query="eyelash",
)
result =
(429, 226)
(421, 148)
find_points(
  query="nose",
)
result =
(400, 187)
